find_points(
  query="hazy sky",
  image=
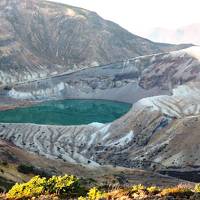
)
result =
(140, 15)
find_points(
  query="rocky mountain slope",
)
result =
(150, 132)
(17, 165)
(127, 81)
(159, 132)
(41, 38)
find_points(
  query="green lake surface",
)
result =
(67, 112)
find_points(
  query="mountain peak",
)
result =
(51, 38)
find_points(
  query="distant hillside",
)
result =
(186, 34)
(40, 38)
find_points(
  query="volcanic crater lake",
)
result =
(67, 112)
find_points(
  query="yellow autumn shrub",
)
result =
(67, 185)
(197, 188)
(137, 188)
(34, 187)
(153, 189)
(93, 194)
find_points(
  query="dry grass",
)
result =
(119, 194)
(181, 192)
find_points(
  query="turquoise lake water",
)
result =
(67, 112)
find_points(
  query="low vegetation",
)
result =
(70, 187)
(30, 169)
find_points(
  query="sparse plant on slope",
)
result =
(137, 188)
(153, 190)
(93, 194)
(197, 188)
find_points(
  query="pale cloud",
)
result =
(140, 15)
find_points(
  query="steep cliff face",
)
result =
(40, 39)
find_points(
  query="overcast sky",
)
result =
(140, 15)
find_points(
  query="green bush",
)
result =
(25, 168)
(30, 169)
